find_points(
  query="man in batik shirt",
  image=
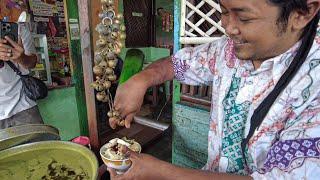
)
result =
(267, 40)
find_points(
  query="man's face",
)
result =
(252, 25)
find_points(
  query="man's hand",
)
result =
(129, 98)
(143, 167)
(14, 53)
(146, 167)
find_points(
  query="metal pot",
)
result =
(48, 160)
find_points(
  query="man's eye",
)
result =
(244, 20)
(224, 13)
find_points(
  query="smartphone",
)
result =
(9, 29)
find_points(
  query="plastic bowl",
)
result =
(120, 166)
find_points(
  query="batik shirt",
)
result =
(287, 143)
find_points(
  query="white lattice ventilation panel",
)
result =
(200, 21)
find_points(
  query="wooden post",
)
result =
(71, 12)
(87, 62)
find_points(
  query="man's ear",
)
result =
(300, 19)
(313, 7)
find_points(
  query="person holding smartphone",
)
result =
(15, 107)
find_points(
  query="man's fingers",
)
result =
(133, 155)
(118, 106)
(4, 58)
(16, 52)
(3, 41)
(4, 47)
(113, 122)
(14, 44)
(5, 55)
(129, 119)
(112, 172)
(20, 41)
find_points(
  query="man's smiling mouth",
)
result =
(239, 42)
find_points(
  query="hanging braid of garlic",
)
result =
(111, 37)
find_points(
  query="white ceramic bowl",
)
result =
(120, 166)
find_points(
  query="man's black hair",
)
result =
(286, 8)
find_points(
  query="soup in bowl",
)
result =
(115, 153)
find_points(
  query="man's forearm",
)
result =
(157, 73)
(168, 171)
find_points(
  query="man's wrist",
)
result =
(165, 170)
